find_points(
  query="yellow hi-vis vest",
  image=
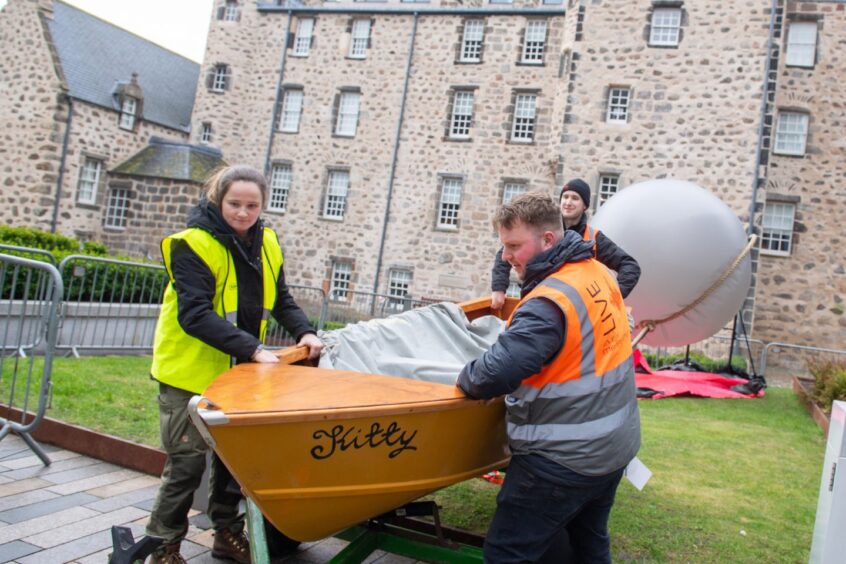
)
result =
(183, 361)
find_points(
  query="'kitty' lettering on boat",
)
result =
(340, 438)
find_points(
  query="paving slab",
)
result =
(33, 510)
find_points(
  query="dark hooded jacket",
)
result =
(607, 252)
(195, 287)
(536, 333)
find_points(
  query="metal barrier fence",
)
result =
(715, 347)
(312, 300)
(353, 306)
(30, 253)
(30, 298)
(110, 305)
(798, 355)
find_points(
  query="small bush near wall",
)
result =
(59, 246)
(829, 382)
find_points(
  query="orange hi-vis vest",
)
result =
(581, 409)
(590, 235)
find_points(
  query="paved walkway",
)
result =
(64, 512)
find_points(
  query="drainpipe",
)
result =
(763, 115)
(392, 176)
(275, 114)
(58, 195)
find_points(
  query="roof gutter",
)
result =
(58, 196)
(415, 11)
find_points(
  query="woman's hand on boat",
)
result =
(314, 345)
(262, 355)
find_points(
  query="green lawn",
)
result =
(734, 480)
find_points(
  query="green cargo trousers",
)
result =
(183, 472)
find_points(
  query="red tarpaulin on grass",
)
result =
(668, 383)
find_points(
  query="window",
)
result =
(450, 203)
(462, 114)
(117, 208)
(229, 12)
(534, 42)
(292, 109)
(280, 186)
(608, 186)
(513, 291)
(666, 23)
(791, 133)
(219, 78)
(127, 113)
(777, 228)
(347, 114)
(618, 105)
(89, 180)
(523, 128)
(339, 285)
(471, 42)
(512, 189)
(801, 44)
(336, 194)
(206, 133)
(360, 37)
(302, 41)
(399, 281)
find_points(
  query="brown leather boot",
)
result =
(232, 546)
(167, 554)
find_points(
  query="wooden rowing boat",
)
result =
(321, 450)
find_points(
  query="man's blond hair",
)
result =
(534, 209)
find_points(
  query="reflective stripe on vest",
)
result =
(581, 409)
(181, 360)
(590, 234)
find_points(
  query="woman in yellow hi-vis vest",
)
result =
(226, 278)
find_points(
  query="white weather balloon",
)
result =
(684, 239)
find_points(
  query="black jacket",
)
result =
(536, 333)
(607, 252)
(195, 287)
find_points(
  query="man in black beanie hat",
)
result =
(574, 216)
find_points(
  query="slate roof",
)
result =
(172, 159)
(97, 57)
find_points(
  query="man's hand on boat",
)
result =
(497, 300)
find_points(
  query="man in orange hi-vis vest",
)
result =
(565, 365)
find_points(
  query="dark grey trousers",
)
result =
(183, 472)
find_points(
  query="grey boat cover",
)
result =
(431, 343)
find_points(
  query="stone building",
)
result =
(80, 97)
(391, 130)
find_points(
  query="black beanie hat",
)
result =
(580, 187)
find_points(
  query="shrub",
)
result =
(829, 382)
(706, 363)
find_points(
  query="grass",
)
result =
(733, 480)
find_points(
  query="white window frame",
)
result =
(89, 180)
(127, 113)
(399, 284)
(281, 177)
(359, 38)
(337, 189)
(349, 105)
(665, 27)
(339, 283)
(801, 44)
(206, 133)
(791, 134)
(511, 190)
(292, 110)
(219, 78)
(302, 39)
(472, 40)
(462, 114)
(231, 11)
(525, 118)
(619, 98)
(609, 184)
(449, 203)
(534, 42)
(117, 208)
(777, 228)
(514, 290)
